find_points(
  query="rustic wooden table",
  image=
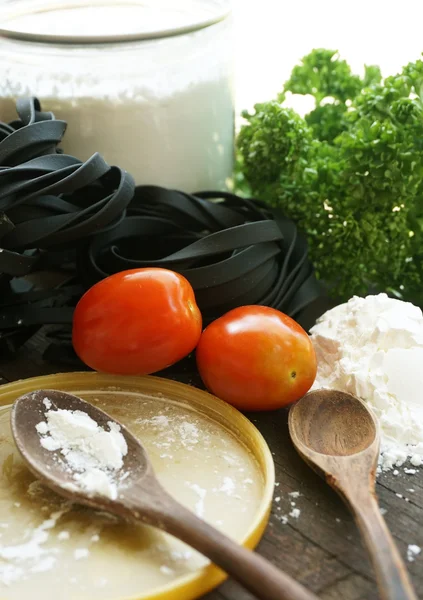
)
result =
(321, 547)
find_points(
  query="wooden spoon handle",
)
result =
(251, 570)
(391, 573)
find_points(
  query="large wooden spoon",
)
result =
(338, 436)
(143, 498)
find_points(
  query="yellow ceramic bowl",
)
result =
(93, 386)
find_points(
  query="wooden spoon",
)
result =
(338, 436)
(142, 498)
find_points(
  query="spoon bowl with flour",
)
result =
(85, 455)
(75, 448)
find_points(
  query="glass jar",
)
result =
(147, 84)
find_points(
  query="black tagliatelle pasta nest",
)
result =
(87, 220)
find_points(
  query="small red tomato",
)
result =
(136, 322)
(256, 358)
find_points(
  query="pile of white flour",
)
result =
(373, 348)
(93, 455)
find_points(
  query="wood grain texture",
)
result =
(322, 547)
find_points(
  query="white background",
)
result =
(272, 35)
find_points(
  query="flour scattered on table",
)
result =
(283, 519)
(410, 471)
(373, 348)
(93, 454)
(294, 494)
(412, 552)
(293, 511)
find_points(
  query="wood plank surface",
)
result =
(321, 547)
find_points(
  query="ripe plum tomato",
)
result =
(256, 358)
(136, 322)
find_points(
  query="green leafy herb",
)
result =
(350, 173)
(323, 74)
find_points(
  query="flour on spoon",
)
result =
(93, 454)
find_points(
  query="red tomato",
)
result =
(256, 358)
(136, 322)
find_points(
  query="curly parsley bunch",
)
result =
(350, 173)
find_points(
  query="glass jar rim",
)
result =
(214, 11)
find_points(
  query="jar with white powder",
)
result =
(148, 84)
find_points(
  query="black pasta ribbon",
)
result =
(87, 220)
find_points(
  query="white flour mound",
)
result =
(93, 454)
(373, 348)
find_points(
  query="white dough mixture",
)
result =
(373, 348)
